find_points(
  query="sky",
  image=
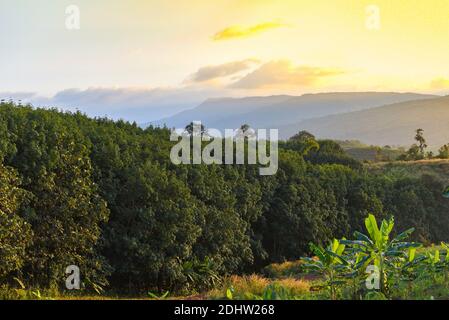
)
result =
(166, 56)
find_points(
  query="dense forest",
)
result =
(104, 195)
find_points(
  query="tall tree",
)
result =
(419, 137)
(15, 233)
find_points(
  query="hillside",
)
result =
(276, 111)
(388, 125)
(436, 168)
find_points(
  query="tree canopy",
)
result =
(104, 195)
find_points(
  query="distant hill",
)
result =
(388, 125)
(277, 111)
(217, 111)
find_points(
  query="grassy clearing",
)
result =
(255, 286)
(435, 167)
(283, 270)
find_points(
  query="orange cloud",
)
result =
(223, 70)
(244, 32)
(282, 73)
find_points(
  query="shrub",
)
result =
(286, 269)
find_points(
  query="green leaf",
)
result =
(362, 262)
(22, 286)
(319, 252)
(437, 256)
(340, 249)
(386, 228)
(362, 237)
(405, 245)
(404, 235)
(372, 228)
(229, 295)
(411, 254)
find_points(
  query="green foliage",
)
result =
(331, 152)
(302, 142)
(276, 292)
(200, 275)
(329, 263)
(443, 152)
(418, 150)
(159, 297)
(104, 195)
(283, 270)
(363, 152)
(398, 263)
(273, 291)
(380, 250)
(15, 232)
(65, 210)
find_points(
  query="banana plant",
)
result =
(409, 264)
(378, 247)
(436, 262)
(446, 261)
(329, 262)
(433, 260)
(201, 274)
(406, 269)
(445, 246)
(355, 271)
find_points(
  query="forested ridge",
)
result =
(104, 196)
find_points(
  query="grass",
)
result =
(244, 287)
(435, 167)
(283, 270)
(287, 277)
(255, 286)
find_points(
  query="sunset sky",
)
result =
(197, 49)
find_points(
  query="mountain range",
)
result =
(379, 118)
(393, 124)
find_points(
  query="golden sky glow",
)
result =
(244, 32)
(288, 46)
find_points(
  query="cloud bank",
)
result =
(132, 104)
